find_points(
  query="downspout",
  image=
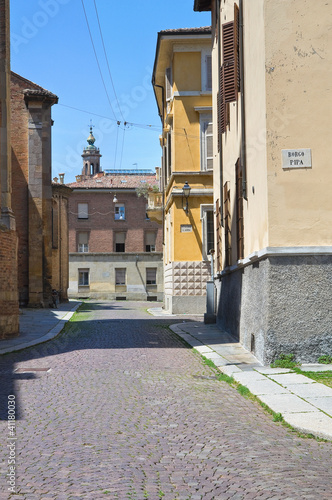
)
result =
(243, 121)
(162, 116)
(221, 193)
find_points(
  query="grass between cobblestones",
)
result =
(245, 392)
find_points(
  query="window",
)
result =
(83, 277)
(239, 211)
(83, 242)
(83, 211)
(150, 241)
(206, 66)
(120, 276)
(227, 224)
(120, 239)
(151, 275)
(119, 213)
(206, 142)
(207, 230)
(168, 83)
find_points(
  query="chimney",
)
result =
(62, 177)
(78, 178)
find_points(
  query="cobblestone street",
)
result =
(128, 411)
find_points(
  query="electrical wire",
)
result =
(94, 49)
(108, 66)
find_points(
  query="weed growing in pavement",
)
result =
(277, 417)
(285, 361)
(325, 360)
(208, 362)
(322, 377)
(243, 390)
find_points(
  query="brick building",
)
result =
(29, 259)
(9, 312)
(115, 251)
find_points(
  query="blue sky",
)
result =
(51, 46)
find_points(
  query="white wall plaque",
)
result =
(296, 158)
(186, 228)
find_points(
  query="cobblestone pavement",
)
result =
(127, 411)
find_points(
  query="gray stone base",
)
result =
(279, 305)
(184, 304)
(118, 296)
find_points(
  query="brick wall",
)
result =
(102, 226)
(20, 166)
(9, 313)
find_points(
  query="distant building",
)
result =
(115, 250)
(272, 72)
(182, 85)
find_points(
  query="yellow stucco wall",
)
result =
(187, 71)
(299, 110)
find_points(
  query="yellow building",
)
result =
(182, 85)
(272, 71)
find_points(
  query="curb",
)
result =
(48, 336)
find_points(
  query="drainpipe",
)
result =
(162, 117)
(243, 121)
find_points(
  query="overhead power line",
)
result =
(94, 50)
(108, 66)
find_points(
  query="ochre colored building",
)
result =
(182, 85)
(272, 106)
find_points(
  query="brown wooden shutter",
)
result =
(236, 46)
(239, 212)
(227, 215)
(231, 60)
(219, 239)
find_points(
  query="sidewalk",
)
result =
(304, 404)
(39, 325)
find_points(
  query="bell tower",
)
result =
(91, 157)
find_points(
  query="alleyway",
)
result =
(128, 411)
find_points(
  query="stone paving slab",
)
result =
(310, 390)
(230, 370)
(316, 423)
(246, 377)
(316, 368)
(287, 403)
(272, 371)
(323, 403)
(291, 379)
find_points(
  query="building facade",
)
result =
(271, 105)
(115, 251)
(182, 86)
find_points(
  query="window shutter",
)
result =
(151, 275)
(83, 238)
(168, 83)
(236, 47)
(228, 222)
(219, 241)
(82, 209)
(120, 237)
(230, 87)
(150, 238)
(120, 276)
(209, 145)
(239, 211)
(208, 64)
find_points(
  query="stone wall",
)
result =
(185, 286)
(279, 305)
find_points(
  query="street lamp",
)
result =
(115, 200)
(185, 194)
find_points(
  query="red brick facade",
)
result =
(9, 317)
(102, 226)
